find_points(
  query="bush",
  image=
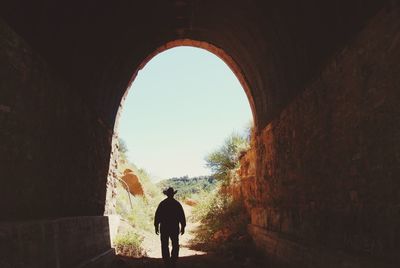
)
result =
(140, 215)
(129, 244)
(225, 159)
(222, 219)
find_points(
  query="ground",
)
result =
(187, 257)
(152, 245)
(206, 261)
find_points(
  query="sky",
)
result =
(181, 106)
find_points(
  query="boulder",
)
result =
(133, 182)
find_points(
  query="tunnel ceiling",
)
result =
(96, 46)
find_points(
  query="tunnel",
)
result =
(322, 78)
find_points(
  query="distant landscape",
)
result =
(214, 217)
(188, 187)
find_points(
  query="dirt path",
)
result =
(188, 258)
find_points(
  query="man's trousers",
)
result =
(166, 235)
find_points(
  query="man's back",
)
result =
(170, 213)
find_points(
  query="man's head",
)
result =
(170, 192)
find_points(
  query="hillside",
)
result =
(189, 186)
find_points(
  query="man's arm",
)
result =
(182, 219)
(157, 219)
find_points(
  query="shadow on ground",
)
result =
(196, 261)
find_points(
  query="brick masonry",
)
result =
(327, 169)
(57, 243)
(326, 159)
(54, 151)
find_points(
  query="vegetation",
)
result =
(223, 219)
(129, 244)
(189, 188)
(226, 159)
(140, 214)
(122, 147)
(136, 212)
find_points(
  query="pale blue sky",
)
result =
(181, 106)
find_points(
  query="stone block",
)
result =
(63, 243)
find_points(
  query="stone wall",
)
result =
(327, 157)
(64, 69)
(53, 159)
(112, 178)
(328, 168)
(99, 47)
(54, 151)
(62, 243)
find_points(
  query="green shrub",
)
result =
(221, 219)
(140, 214)
(225, 159)
(129, 244)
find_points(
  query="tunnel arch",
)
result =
(322, 76)
(219, 52)
(216, 51)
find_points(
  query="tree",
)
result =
(122, 147)
(226, 158)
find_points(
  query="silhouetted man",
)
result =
(168, 216)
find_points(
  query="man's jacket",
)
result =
(169, 214)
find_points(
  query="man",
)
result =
(168, 216)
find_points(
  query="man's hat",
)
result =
(169, 191)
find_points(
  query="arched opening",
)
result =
(123, 175)
(323, 78)
(219, 52)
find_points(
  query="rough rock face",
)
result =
(190, 202)
(112, 179)
(247, 174)
(325, 171)
(133, 182)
